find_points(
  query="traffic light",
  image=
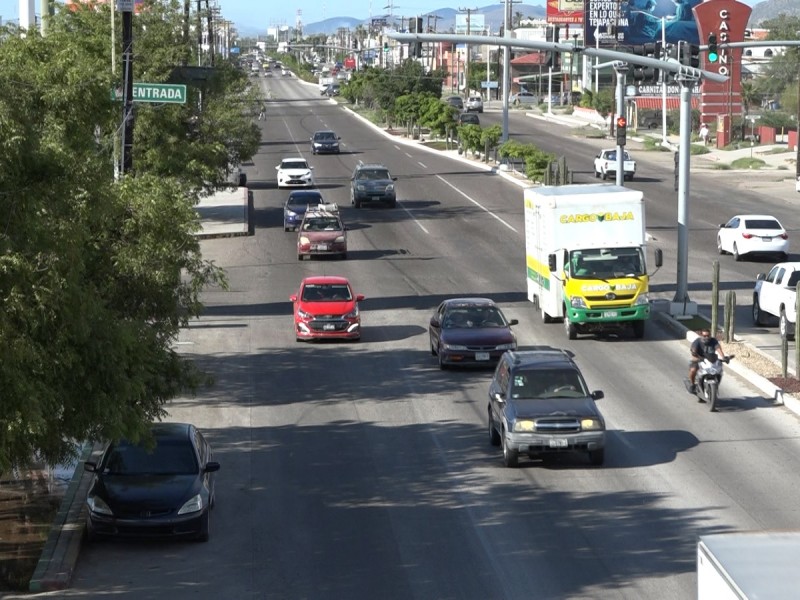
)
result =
(385, 46)
(674, 52)
(355, 44)
(622, 130)
(647, 74)
(690, 55)
(713, 50)
(415, 26)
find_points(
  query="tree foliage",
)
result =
(97, 276)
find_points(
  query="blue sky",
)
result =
(258, 13)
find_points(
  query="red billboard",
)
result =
(565, 11)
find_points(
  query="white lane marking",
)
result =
(413, 218)
(478, 204)
(422, 164)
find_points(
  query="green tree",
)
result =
(98, 276)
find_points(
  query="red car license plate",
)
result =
(329, 327)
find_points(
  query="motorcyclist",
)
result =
(702, 345)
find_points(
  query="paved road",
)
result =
(362, 471)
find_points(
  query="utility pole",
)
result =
(210, 33)
(126, 7)
(199, 32)
(433, 49)
(44, 7)
(466, 60)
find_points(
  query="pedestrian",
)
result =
(262, 115)
(704, 134)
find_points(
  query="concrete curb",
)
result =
(60, 553)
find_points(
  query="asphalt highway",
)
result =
(360, 470)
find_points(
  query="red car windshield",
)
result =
(334, 292)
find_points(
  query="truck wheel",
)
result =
(638, 329)
(736, 256)
(757, 314)
(510, 456)
(545, 317)
(597, 457)
(569, 328)
(596, 174)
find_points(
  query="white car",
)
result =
(605, 165)
(294, 172)
(797, 185)
(753, 234)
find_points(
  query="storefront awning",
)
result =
(656, 102)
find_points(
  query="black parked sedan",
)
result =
(160, 491)
(470, 331)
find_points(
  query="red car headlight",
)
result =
(303, 314)
(353, 313)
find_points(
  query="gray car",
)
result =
(523, 98)
(474, 104)
(372, 183)
(539, 405)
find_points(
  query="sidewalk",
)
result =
(224, 214)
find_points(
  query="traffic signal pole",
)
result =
(622, 120)
(681, 298)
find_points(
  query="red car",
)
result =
(322, 233)
(325, 307)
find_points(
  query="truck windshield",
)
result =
(606, 263)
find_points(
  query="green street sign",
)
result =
(155, 92)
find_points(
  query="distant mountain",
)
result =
(772, 9)
(493, 15)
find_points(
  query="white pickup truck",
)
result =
(775, 295)
(605, 165)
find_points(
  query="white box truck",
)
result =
(748, 565)
(585, 257)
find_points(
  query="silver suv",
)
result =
(474, 103)
(539, 405)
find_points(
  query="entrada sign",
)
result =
(156, 92)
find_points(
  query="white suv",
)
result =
(474, 103)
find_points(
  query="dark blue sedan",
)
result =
(164, 490)
(296, 205)
(470, 331)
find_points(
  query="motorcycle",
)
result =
(709, 376)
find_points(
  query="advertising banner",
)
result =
(634, 22)
(565, 11)
(477, 24)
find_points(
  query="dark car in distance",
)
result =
(296, 206)
(455, 102)
(540, 405)
(326, 142)
(470, 331)
(468, 118)
(653, 120)
(372, 183)
(161, 491)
